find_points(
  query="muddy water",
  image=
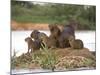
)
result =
(20, 46)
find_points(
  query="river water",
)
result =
(20, 46)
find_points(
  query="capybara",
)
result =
(49, 41)
(32, 45)
(36, 35)
(54, 31)
(75, 43)
(67, 31)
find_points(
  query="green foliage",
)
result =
(25, 11)
(46, 59)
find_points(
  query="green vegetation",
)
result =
(51, 59)
(47, 59)
(85, 15)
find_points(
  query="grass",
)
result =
(60, 20)
(47, 58)
(39, 19)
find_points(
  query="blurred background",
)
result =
(25, 14)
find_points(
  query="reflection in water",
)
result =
(19, 45)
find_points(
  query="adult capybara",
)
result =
(36, 35)
(53, 42)
(50, 42)
(68, 30)
(32, 45)
(43, 38)
(41, 34)
(75, 43)
(54, 30)
(55, 33)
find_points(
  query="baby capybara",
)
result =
(32, 45)
(75, 43)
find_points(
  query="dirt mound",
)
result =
(56, 58)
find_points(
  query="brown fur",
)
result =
(67, 31)
(55, 33)
(49, 41)
(75, 43)
(32, 45)
(36, 35)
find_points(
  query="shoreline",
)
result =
(19, 26)
(28, 26)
